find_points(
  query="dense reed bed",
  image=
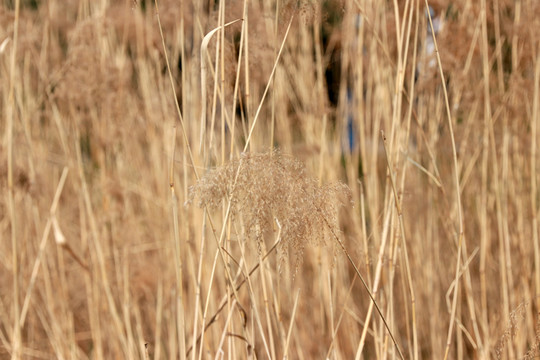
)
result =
(269, 179)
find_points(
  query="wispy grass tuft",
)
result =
(275, 186)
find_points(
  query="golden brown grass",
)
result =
(183, 188)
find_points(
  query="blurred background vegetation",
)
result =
(105, 253)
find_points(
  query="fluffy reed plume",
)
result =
(267, 186)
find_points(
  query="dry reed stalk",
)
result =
(264, 274)
(227, 182)
(534, 187)
(241, 56)
(43, 244)
(219, 350)
(10, 112)
(99, 253)
(458, 190)
(286, 348)
(403, 239)
(227, 211)
(400, 84)
(225, 299)
(257, 316)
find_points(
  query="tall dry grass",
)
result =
(277, 179)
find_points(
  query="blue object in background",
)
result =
(350, 128)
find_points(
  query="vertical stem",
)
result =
(245, 31)
(498, 45)
(177, 258)
(406, 255)
(534, 190)
(484, 234)
(16, 336)
(222, 82)
(458, 191)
